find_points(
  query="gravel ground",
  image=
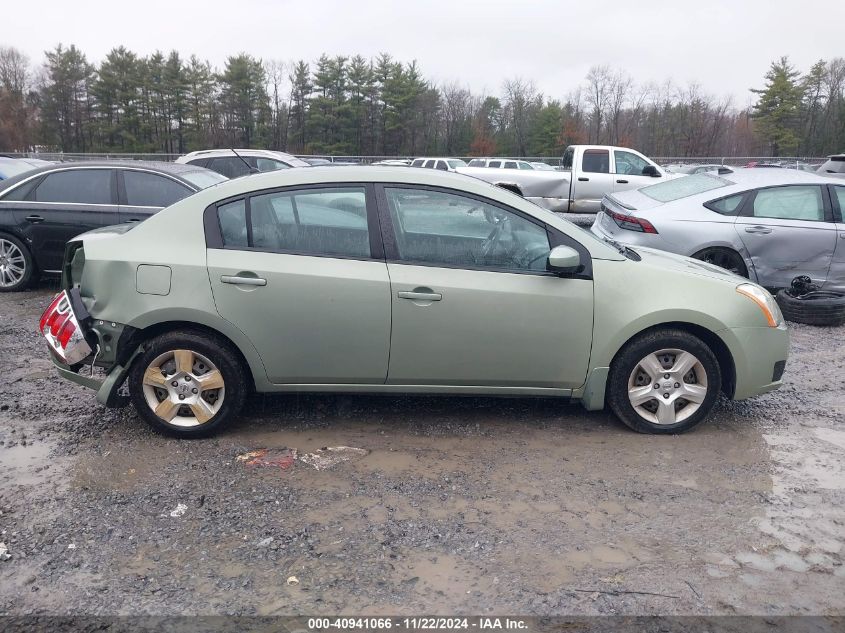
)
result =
(462, 505)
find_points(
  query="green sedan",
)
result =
(397, 281)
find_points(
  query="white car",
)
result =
(500, 163)
(443, 164)
(234, 163)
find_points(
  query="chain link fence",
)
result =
(736, 161)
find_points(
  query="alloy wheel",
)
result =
(667, 386)
(12, 264)
(183, 388)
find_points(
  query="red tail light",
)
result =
(631, 223)
(48, 313)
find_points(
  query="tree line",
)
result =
(340, 105)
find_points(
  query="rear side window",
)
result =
(327, 222)
(231, 167)
(510, 164)
(78, 186)
(726, 206)
(789, 203)
(494, 163)
(596, 161)
(144, 189)
(839, 192)
(678, 188)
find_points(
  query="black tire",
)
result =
(29, 273)
(629, 358)
(819, 307)
(212, 348)
(725, 258)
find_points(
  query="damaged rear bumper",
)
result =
(108, 388)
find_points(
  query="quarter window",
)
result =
(789, 203)
(726, 206)
(596, 161)
(439, 228)
(314, 221)
(151, 190)
(79, 186)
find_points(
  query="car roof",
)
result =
(174, 169)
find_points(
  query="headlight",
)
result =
(764, 301)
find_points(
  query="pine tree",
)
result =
(778, 108)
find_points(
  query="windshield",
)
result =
(203, 179)
(684, 187)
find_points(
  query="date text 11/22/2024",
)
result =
(418, 623)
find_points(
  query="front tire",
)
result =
(664, 381)
(187, 384)
(17, 268)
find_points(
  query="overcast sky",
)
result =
(724, 45)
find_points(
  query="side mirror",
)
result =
(651, 170)
(564, 259)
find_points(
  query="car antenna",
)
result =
(252, 170)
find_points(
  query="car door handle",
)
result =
(419, 296)
(582, 179)
(35, 219)
(622, 182)
(759, 230)
(243, 281)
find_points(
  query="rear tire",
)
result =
(17, 268)
(188, 384)
(663, 382)
(724, 258)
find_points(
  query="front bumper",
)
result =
(757, 353)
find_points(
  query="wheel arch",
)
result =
(727, 366)
(140, 336)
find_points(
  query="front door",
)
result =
(64, 204)
(473, 304)
(788, 231)
(295, 270)
(629, 171)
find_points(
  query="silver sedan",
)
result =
(769, 225)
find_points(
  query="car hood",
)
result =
(688, 265)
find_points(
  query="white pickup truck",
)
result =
(589, 172)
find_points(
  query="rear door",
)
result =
(473, 303)
(788, 231)
(591, 181)
(301, 272)
(64, 204)
(143, 193)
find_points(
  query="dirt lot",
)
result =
(472, 506)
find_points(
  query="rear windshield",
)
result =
(683, 187)
(836, 165)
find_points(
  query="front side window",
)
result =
(439, 228)
(417, 162)
(789, 203)
(327, 222)
(79, 186)
(454, 163)
(524, 165)
(476, 162)
(596, 161)
(629, 164)
(144, 189)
